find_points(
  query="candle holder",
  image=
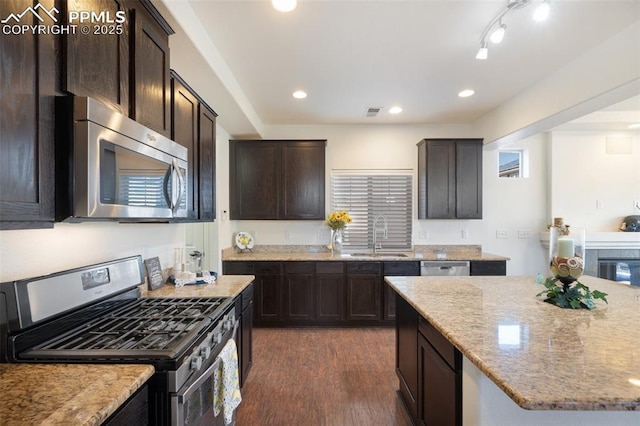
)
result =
(566, 262)
(567, 253)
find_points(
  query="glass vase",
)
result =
(336, 240)
(567, 253)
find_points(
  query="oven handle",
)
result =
(183, 396)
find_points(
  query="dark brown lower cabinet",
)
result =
(364, 291)
(407, 354)
(135, 411)
(429, 370)
(439, 388)
(246, 334)
(299, 291)
(330, 292)
(312, 293)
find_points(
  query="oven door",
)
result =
(193, 403)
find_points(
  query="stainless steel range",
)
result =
(95, 314)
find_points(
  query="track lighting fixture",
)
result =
(540, 14)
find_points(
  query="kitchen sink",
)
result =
(377, 255)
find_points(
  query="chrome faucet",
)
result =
(377, 245)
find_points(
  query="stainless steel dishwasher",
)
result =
(443, 268)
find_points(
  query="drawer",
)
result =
(364, 268)
(267, 268)
(447, 351)
(329, 267)
(410, 269)
(489, 267)
(299, 267)
(237, 268)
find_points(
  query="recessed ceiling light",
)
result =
(284, 5)
(466, 93)
(395, 110)
(299, 94)
(634, 126)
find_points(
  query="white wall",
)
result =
(31, 253)
(591, 188)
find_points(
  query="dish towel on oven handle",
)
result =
(226, 383)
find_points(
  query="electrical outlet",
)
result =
(524, 233)
(599, 204)
(465, 234)
(502, 234)
(423, 234)
(636, 204)
(287, 235)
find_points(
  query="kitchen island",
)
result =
(524, 361)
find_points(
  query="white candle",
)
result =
(565, 247)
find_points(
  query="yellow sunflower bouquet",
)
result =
(338, 220)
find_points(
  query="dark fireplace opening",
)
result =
(614, 264)
(622, 270)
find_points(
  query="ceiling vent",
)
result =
(372, 111)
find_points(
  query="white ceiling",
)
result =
(353, 54)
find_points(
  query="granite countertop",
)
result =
(543, 357)
(66, 394)
(225, 286)
(320, 253)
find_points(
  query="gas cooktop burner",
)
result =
(144, 325)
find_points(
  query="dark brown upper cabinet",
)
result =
(450, 179)
(277, 179)
(27, 94)
(150, 79)
(207, 163)
(97, 65)
(194, 127)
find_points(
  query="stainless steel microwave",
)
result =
(109, 167)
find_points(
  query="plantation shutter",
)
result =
(366, 194)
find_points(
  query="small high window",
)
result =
(510, 164)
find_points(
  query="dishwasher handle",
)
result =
(445, 267)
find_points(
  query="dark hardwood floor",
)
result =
(322, 376)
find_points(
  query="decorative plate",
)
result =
(244, 240)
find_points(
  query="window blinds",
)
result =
(368, 193)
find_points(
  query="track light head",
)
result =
(483, 52)
(498, 34)
(542, 11)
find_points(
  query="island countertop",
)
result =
(66, 394)
(543, 357)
